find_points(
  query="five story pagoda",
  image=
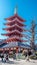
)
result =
(15, 29)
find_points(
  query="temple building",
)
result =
(15, 29)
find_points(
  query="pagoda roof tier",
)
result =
(15, 40)
(13, 17)
(15, 37)
(14, 27)
(15, 32)
(14, 22)
(23, 35)
(12, 45)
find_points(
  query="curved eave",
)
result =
(14, 22)
(15, 16)
(14, 26)
(15, 40)
(14, 33)
(11, 33)
(17, 35)
(8, 24)
(10, 29)
(16, 45)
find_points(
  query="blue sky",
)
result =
(27, 9)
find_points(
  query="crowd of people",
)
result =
(5, 56)
(28, 53)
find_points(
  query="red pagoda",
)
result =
(15, 29)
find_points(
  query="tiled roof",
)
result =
(9, 45)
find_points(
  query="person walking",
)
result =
(28, 54)
(2, 56)
(7, 57)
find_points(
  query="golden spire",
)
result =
(15, 11)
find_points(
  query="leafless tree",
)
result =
(32, 36)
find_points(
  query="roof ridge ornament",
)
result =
(15, 10)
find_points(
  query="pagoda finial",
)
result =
(15, 11)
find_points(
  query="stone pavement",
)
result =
(19, 62)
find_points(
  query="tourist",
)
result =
(2, 56)
(28, 54)
(25, 54)
(7, 57)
